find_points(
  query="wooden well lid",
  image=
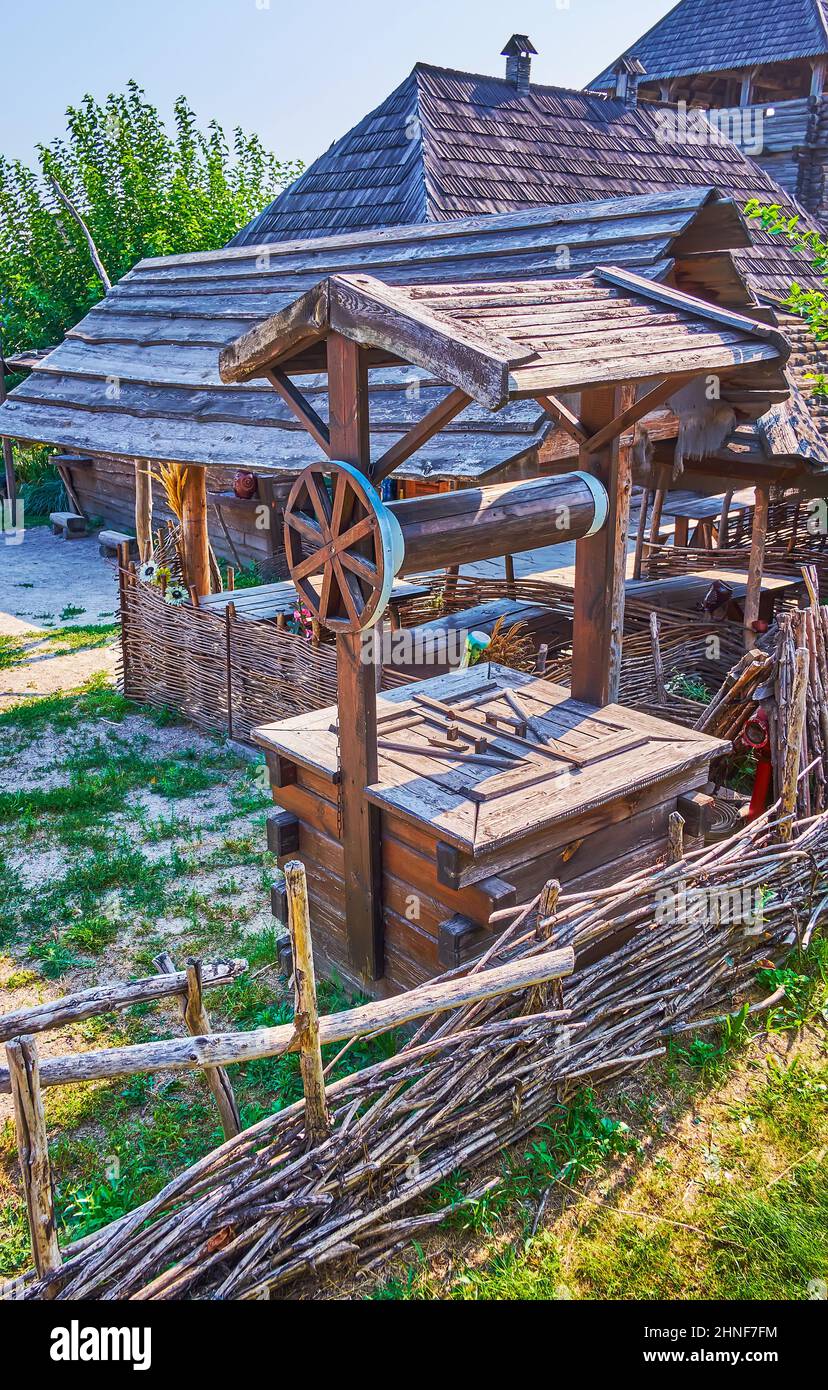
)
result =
(485, 757)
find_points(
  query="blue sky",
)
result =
(299, 72)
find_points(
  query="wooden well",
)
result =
(490, 782)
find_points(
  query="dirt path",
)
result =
(48, 584)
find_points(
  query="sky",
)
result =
(297, 72)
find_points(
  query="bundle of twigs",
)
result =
(736, 700)
(268, 1214)
(806, 632)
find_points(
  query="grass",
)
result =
(140, 860)
(705, 1179)
(20, 648)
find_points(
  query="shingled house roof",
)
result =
(715, 35)
(139, 376)
(453, 144)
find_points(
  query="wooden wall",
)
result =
(105, 486)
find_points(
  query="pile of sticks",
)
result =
(331, 1184)
(801, 698)
(739, 695)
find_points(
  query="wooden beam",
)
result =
(194, 535)
(143, 509)
(197, 1022)
(567, 420)
(637, 411)
(756, 562)
(600, 560)
(383, 1015)
(419, 434)
(356, 691)
(302, 409)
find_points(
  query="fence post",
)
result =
(793, 746)
(198, 1026)
(675, 837)
(229, 615)
(317, 1118)
(33, 1153)
(538, 1001)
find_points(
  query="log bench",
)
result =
(109, 543)
(544, 624)
(686, 592)
(67, 524)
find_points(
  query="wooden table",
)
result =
(261, 602)
(706, 512)
(687, 592)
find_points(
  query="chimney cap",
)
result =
(519, 46)
(631, 65)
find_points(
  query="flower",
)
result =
(176, 595)
(148, 572)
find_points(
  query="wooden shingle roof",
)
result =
(700, 36)
(139, 376)
(502, 340)
(451, 144)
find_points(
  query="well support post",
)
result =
(356, 690)
(194, 534)
(756, 562)
(600, 560)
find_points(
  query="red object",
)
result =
(245, 485)
(755, 738)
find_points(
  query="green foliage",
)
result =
(142, 189)
(811, 305)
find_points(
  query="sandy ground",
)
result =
(45, 583)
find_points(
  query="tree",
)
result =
(810, 304)
(141, 190)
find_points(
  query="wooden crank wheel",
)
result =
(343, 546)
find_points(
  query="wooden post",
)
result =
(675, 837)
(317, 1117)
(198, 1026)
(756, 562)
(229, 619)
(356, 691)
(646, 494)
(793, 743)
(509, 565)
(8, 455)
(33, 1153)
(143, 509)
(194, 535)
(658, 663)
(724, 517)
(600, 560)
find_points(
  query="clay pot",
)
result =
(245, 484)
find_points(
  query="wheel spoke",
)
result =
(320, 502)
(311, 564)
(348, 597)
(355, 533)
(359, 565)
(306, 527)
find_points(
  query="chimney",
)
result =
(518, 54)
(628, 71)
